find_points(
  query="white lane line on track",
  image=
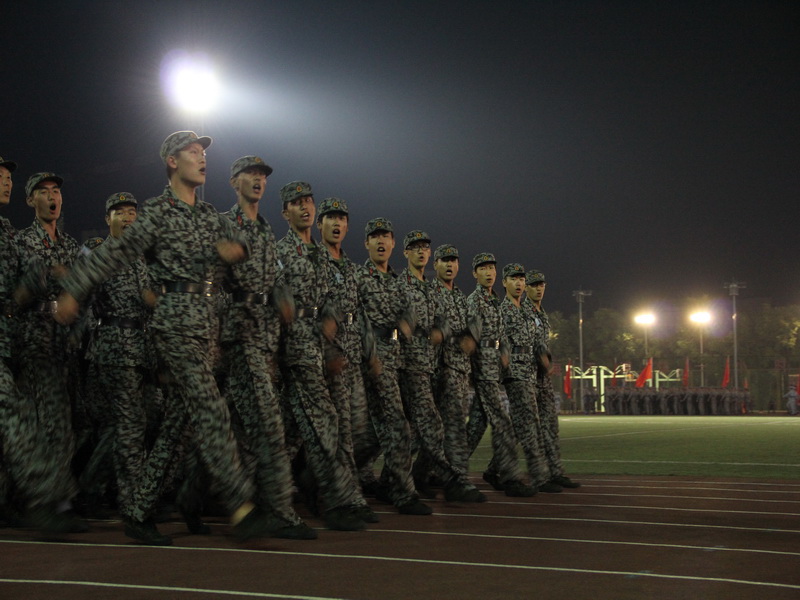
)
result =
(659, 508)
(715, 498)
(694, 488)
(678, 462)
(162, 588)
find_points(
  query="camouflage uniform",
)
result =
(416, 377)
(121, 352)
(179, 242)
(385, 304)
(23, 456)
(304, 269)
(250, 331)
(486, 408)
(545, 395)
(519, 381)
(42, 346)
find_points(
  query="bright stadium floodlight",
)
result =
(190, 82)
(645, 320)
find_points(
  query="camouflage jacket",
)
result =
(385, 304)
(37, 251)
(541, 326)
(178, 242)
(453, 305)
(304, 269)
(484, 309)
(253, 322)
(418, 352)
(520, 335)
(9, 273)
(120, 297)
(344, 290)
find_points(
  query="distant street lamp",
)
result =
(702, 318)
(645, 320)
(579, 296)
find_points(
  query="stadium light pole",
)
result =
(702, 318)
(733, 289)
(580, 295)
(645, 320)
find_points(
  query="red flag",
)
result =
(568, 381)
(614, 377)
(647, 373)
(726, 376)
(746, 384)
(798, 383)
(686, 374)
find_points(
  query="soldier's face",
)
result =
(5, 185)
(333, 228)
(46, 201)
(486, 274)
(120, 218)
(190, 164)
(514, 285)
(250, 185)
(418, 254)
(446, 268)
(380, 245)
(299, 213)
(535, 292)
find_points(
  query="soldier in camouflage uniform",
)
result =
(520, 375)
(545, 395)
(24, 459)
(347, 386)
(492, 351)
(250, 330)
(386, 308)
(41, 343)
(417, 372)
(187, 243)
(122, 361)
(305, 269)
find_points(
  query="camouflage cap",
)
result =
(246, 162)
(417, 235)
(513, 269)
(331, 205)
(120, 198)
(445, 251)
(294, 190)
(37, 178)
(179, 140)
(379, 224)
(7, 164)
(483, 258)
(533, 277)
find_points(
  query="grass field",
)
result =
(741, 446)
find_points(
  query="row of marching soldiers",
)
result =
(223, 364)
(674, 401)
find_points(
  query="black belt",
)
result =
(206, 288)
(386, 332)
(307, 313)
(420, 332)
(46, 307)
(490, 344)
(249, 297)
(121, 322)
(522, 350)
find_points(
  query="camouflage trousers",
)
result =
(43, 379)
(342, 387)
(24, 463)
(527, 429)
(426, 423)
(451, 388)
(548, 418)
(316, 418)
(98, 473)
(259, 429)
(487, 411)
(389, 432)
(195, 414)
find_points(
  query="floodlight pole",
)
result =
(579, 296)
(733, 289)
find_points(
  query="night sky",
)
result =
(644, 150)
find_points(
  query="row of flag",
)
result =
(647, 373)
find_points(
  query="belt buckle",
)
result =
(497, 344)
(348, 318)
(394, 335)
(208, 288)
(314, 312)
